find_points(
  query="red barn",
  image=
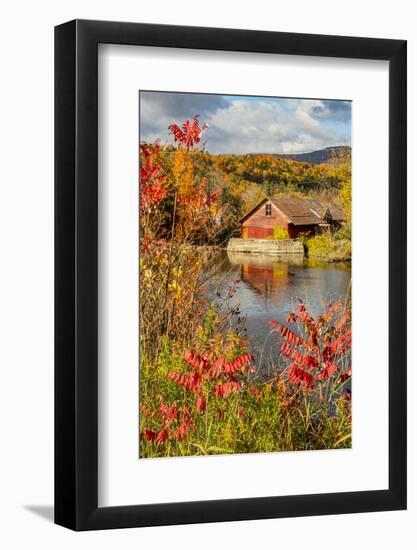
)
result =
(295, 215)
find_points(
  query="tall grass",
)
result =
(216, 404)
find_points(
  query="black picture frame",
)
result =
(76, 272)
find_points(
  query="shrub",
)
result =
(177, 210)
(326, 247)
(345, 232)
(320, 245)
(280, 233)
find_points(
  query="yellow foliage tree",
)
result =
(183, 172)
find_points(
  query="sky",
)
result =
(246, 124)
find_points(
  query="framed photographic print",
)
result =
(230, 275)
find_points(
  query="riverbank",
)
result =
(328, 249)
(321, 247)
(267, 247)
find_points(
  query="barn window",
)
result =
(268, 210)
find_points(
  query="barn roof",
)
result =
(302, 211)
(307, 211)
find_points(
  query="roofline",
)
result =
(286, 216)
(253, 209)
(267, 198)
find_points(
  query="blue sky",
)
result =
(244, 124)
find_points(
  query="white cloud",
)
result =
(265, 127)
(251, 126)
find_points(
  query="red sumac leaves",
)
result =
(190, 132)
(316, 346)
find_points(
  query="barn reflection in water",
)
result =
(266, 275)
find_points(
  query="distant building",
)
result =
(295, 215)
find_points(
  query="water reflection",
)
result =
(266, 275)
(271, 287)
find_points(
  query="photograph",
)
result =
(208, 291)
(245, 330)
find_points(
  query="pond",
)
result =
(270, 288)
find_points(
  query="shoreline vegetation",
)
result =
(328, 249)
(327, 246)
(201, 391)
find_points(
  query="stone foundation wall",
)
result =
(271, 247)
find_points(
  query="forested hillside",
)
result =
(329, 155)
(244, 180)
(276, 175)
